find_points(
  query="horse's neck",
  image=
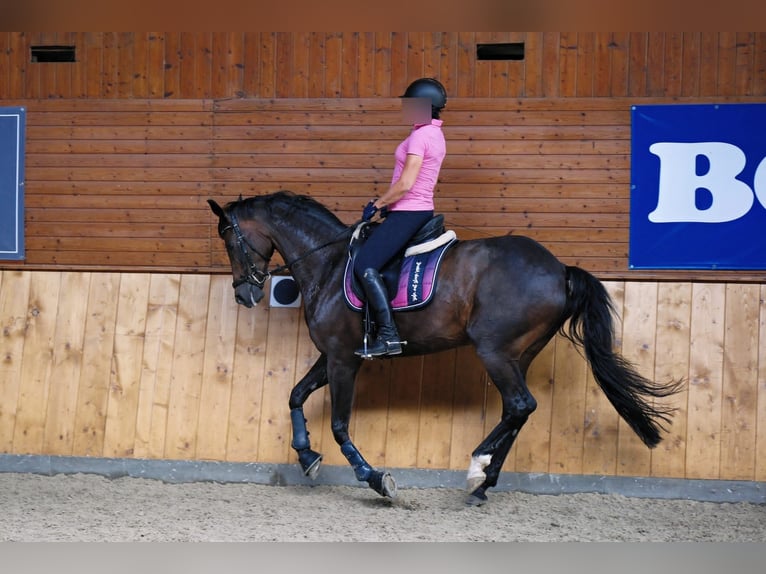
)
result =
(316, 254)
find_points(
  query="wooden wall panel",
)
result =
(167, 366)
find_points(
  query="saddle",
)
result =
(410, 277)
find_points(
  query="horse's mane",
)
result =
(284, 203)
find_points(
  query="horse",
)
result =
(539, 294)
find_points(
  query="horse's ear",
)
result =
(217, 209)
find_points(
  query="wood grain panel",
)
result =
(167, 366)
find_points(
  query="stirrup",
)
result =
(392, 349)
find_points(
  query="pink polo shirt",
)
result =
(427, 141)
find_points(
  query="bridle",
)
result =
(258, 277)
(253, 275)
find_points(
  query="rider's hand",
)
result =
(369, 211)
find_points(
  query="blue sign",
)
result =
(698, 187)
(12, 122)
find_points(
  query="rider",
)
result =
(408, 202)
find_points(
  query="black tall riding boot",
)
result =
(387, 337)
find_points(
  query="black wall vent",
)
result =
(53, 54)
(507, 51)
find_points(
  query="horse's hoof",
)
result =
(310, 462)
(475, 482)
(383, 483)
(476, 498)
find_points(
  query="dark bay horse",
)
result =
(507, 296)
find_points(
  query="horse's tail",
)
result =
(590, 309)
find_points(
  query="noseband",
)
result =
(254, 276)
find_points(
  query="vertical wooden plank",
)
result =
(317, 65)
(672, 364)
(79, 75)
(703, 450)
(366, 65)
(533, 65)
(187, 81)
(155, 65)
(759, 64)
(602, 423)
(483, 71)
(333, 65)
(514, 88)
(127, 359)
(655, 64)
(638, 347)
(5, 61)
(740, 382)
(217, 371)
(251, 73)
(551, 67)
(382, 64)
(156, 370)
(188, 357)
(94, 62)
(17, 60)
(465, 74)
(727, 63)
(585, 63)
(403, 411)
(140, 71)
(744, 63)
(14, 300)
(279, 374)
(760, 454)
(533, 445)
(98, 346)
(110, 66)
(283, 54)
(431, 55)
(637, 65)
(235, 66)
(397, 82)
(500, 77)
(437, 395)
(448, 62)
(36, 363)
(172, 67)
(203, 65)
(350, 50)
(618, 48)
(673, 63)
(268, 65)
(568, 64)
(691, 64)
(219, 60)
(124, 65)
(467, 408)
(299, 84)
(709, 67)
(602, 63)
(247, 384)
(567, 419)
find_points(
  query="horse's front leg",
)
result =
(315, 379)
(342, 378)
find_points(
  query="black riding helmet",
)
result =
(428, 88)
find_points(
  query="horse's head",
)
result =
(247, 250)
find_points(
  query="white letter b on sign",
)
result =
(679, 181)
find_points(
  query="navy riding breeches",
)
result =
(389, 239)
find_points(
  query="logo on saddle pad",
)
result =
(417, 280)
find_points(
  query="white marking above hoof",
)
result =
(476, 475)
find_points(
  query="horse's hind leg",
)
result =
(315, 379)
(518, 404)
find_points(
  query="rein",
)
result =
(257, 276)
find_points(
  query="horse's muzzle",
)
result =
(248, 295)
